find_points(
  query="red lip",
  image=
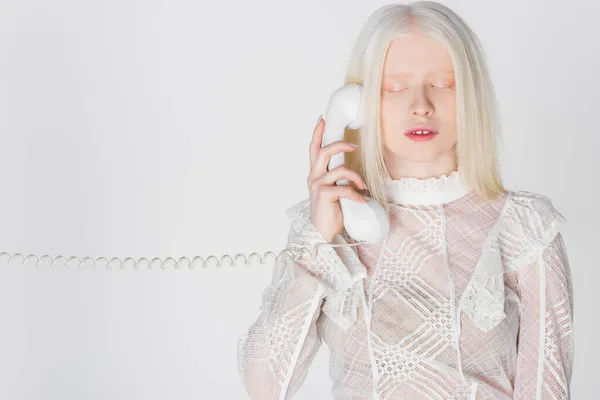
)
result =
(421, 128)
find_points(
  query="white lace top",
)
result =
(465, 299)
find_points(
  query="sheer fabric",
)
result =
(465, 299)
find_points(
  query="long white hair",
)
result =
(478, 125)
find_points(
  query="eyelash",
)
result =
(436, 87)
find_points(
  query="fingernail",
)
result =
(353, 144)
(319, 120)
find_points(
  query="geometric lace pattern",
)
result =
(467, 300)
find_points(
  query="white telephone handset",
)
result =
(364, 222)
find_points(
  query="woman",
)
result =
(469, 296)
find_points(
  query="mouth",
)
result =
(421, 133)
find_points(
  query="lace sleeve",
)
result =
(545, 341)
(282, 341)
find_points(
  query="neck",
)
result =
(430, 190)
(400, 167)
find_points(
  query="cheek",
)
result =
(392, 112)
(391, 121)
(447, 108)
(388, 120)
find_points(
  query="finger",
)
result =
(341, 172)
(317, 140)
(322, 161)
(334, 193)
(321, 164)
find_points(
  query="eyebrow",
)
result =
(408, 74)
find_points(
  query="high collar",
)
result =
(429, 191)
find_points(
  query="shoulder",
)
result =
(527, 225)
(530, 214)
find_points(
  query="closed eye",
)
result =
(397, 88)
(444, 84)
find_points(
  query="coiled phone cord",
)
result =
(178, 264)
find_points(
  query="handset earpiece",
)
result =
(364, 222)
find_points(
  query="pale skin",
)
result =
(417, 87)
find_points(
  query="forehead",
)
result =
(416, 54)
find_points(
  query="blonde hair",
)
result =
(477, 122)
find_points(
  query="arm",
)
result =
(282, 341)
(545, 341)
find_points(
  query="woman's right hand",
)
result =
(325, 211)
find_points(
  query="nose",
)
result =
(421, 105)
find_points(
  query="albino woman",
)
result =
(470, 294)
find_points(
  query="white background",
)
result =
(180, 128)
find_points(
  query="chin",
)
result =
(421, 153)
